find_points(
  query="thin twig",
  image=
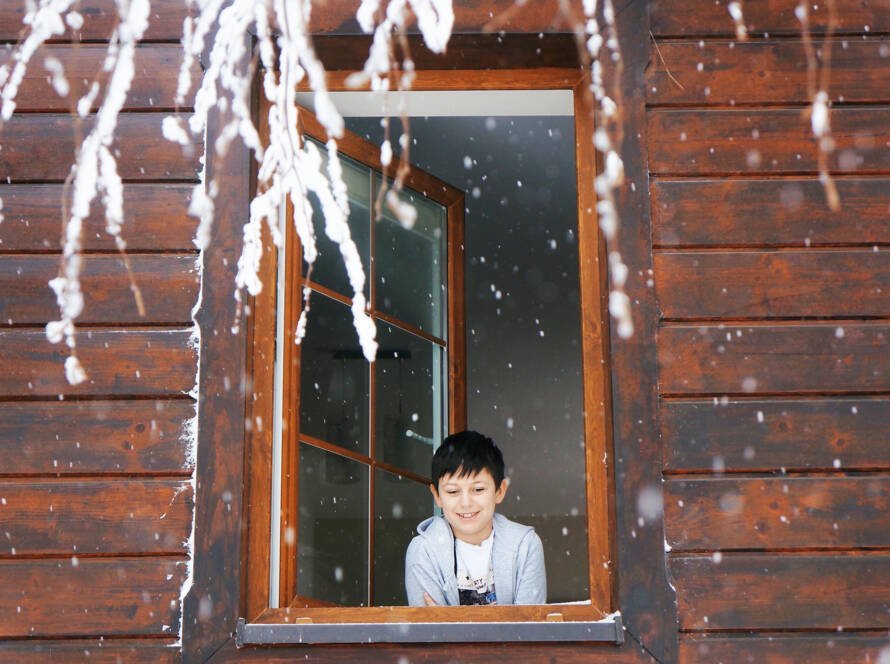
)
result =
(661, 57)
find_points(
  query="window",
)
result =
(359, 436)
(396, 473)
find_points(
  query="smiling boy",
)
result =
(470, 554)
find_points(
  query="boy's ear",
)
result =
(502, 491)
(435, 495)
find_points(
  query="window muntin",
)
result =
(353, 424)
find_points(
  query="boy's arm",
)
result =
(420, 576)
(531, 582)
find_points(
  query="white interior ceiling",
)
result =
(462, 103)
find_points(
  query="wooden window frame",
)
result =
(262, 623)
(452, 200)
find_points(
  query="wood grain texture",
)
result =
(763, 72)
(325, 612)
(722, 513)
(94, 437)
(689, 17)
(469, 16)
(597, 389)
(101, 651)
(260, 412)
(83, 64)
(760, 284)
(155, 219)
(122, 516)
(168, 283)
(782, 648)
(645, 596)
(123, 596)
(805, 358)
(211, 607)
(143, 362)
(761, 435)
(538, 78)
(438, 653)
(42, 147)
(100, 19)
(481, 52)
(725, 211)
(752, 141)
(766, 591)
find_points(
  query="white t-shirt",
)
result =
(475, 576)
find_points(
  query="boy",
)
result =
(470, 555)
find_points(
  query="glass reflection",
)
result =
(332, 541)
(334, 377)
(328, 269)
(400, 504)
(408, 399)
(409, 266)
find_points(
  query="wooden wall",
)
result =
(96, 498)
(768, 356)
(774, 370)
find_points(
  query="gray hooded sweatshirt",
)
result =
(517, 558)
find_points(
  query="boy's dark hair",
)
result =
(466, 453)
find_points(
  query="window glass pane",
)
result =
(408, 400)
(409, 266)
(334, 377)
(400, 504)
(328, 269)
(332, 540)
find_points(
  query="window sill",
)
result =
(607, 630)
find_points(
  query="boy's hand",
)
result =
(428, 600)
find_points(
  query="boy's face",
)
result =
(468, 504)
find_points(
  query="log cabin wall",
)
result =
(96, 498)
(774, 369)
(785, 477)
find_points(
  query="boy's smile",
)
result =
(468, 503)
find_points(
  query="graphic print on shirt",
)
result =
(476, 591)
(475, 574)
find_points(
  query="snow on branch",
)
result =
(289, 166)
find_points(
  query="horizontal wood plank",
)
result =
(733, 141)
(95, 651)
(150, 90)
(120, 362)
(42, 147)
(744, 359)
(64, 598)
(817, 434)
(744, 212)
(766, 284)
(100, 19)
(538, 16)
(95, 437)
(155, 219)
(777, 513)
(437, 653)
(690, 17)
(771, 591)
(783, 648)
(78, 517)
(168, 285)
(763, 72)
